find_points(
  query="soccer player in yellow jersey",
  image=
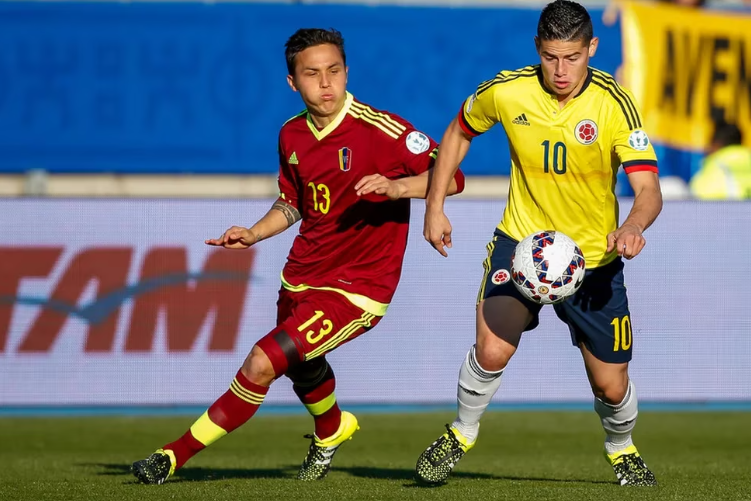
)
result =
(569, 128)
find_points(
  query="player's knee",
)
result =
(492, 353)
(611, 390)
(309, 371)
(258, 368)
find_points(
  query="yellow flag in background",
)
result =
(686, 68)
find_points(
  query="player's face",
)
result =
(321, 79)
(564, 64)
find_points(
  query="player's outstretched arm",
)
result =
(405, 187)
(281, 216)
(628, 240)
(453, 149)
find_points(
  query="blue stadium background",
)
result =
(196, 88)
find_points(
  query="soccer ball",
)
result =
(547, 267)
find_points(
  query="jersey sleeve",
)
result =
(479, 112)
(412, 153)
(630, 142)
(289, 185)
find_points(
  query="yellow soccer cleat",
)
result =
(318, 461)
(435, 464)
(630, 468)
(156, 468)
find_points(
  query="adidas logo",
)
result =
(521, 120)
(293, 158)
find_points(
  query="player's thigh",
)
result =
(317, 323)
(598, 315)
(500, 322)
(503, 314)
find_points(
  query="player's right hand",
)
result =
(236, 237)
(437, 231)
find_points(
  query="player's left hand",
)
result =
(627, 241)
(380, 185)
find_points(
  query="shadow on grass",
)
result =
(192, 474)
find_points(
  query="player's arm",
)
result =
(638, 159)
(396, 184)
(280, 217)
(405, 187)
(478, 114)
(283, 213)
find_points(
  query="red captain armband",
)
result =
(465, 125)
(460, 180)
(640, 165)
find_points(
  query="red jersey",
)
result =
(354, 245)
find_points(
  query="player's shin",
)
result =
(228, 413)
(618, 420)
(314, 384)
(475, 390)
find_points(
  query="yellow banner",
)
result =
(687, 68)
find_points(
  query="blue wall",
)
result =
(167, 88)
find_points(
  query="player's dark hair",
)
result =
(310, 37)
(566, 21)
(726, 134)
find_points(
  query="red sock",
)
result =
(320, 401)
(228, 413)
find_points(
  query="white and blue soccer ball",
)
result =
(547, 267)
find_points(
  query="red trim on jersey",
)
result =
(465, 125)
(640, 166)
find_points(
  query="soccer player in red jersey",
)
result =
(347, 171)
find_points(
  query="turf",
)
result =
(520, 456)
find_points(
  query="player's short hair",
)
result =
(566, 21)
(726, 134)
(310, 37)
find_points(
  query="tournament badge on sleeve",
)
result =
(345, 159)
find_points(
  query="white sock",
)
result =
(475, 389)
(619, 420)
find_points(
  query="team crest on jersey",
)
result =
(345, 159)
(586, 132)
(500, 277)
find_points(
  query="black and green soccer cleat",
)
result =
(630, 468)
(435, 464)
(317, 463)
(156, 468)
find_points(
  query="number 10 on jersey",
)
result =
(554, 156)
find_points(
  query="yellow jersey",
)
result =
(725, 175)
(564, 161)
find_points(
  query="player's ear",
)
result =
(537, 45)
(346, 74)
(593, 46)
(291, 82)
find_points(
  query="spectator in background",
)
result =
(726, 171)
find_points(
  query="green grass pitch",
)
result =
(520, 456)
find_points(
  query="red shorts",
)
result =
(310, 324)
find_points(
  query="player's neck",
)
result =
(321, 121)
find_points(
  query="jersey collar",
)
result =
(320, 134)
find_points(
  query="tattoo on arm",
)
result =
(289, 212)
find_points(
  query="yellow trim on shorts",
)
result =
(363, 302)
(486, 265)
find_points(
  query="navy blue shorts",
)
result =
(596, 315)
